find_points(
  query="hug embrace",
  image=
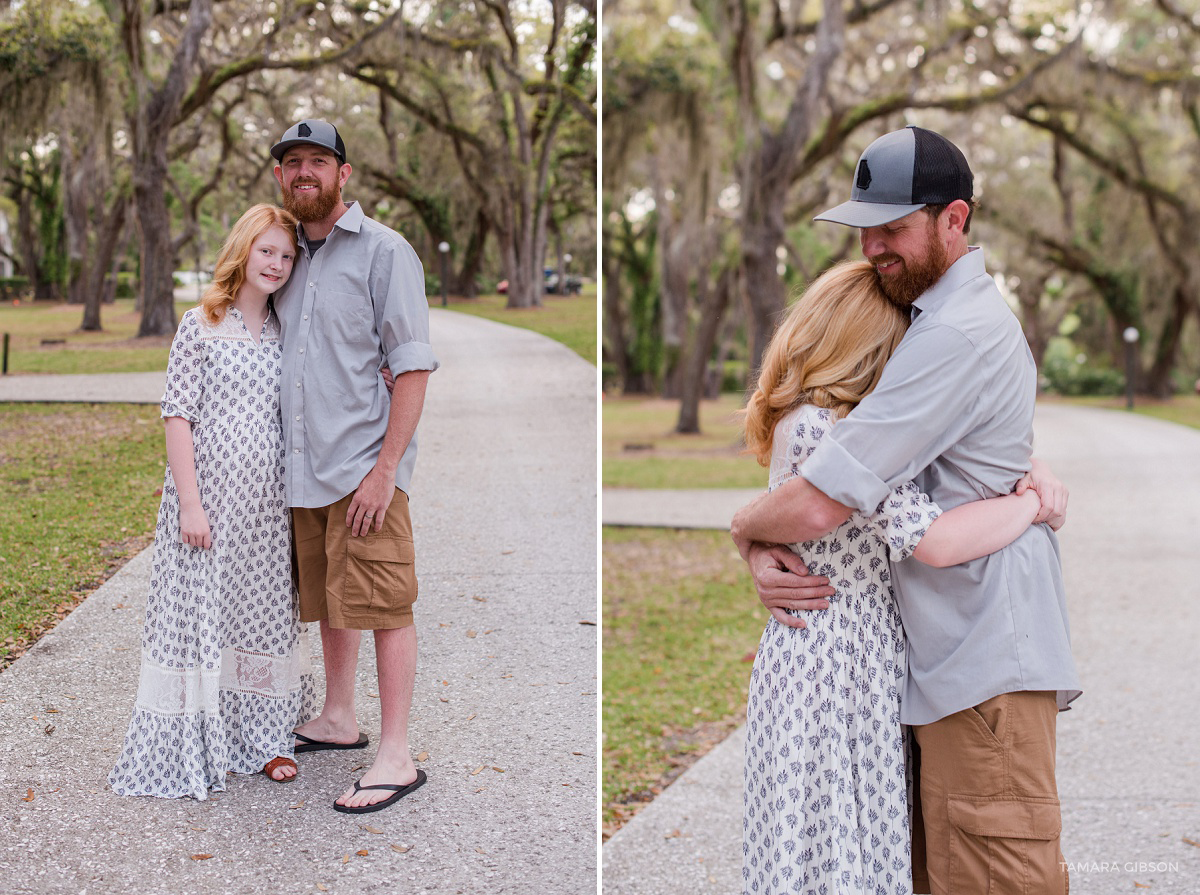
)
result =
(291, 408)
(902, 705)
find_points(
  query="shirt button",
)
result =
(297, 419)
(297, 384)
(301, 350)
(297, 450)
(305, 316)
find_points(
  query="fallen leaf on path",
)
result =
(1191, 842)
(423, 756)
(507, 552)
(443, 699)
(470, 635)
(471, 717)
(346, 858)
(473, 773)
(403, 849)
(362, 852)
(576, 753)
(373, 695)
(321, 887)
(479, 599)
(29, 795)
(592, 624)
(371, 829)
(199, 829)
(201, 857)
(494, 768)
(52, 711)
(1138, 885)
(481, 851)
(674, 834)
(49, 729)
(357, 767)
(299, 804)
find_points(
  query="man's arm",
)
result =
(374, 494)
(794, 512)
(783, 582)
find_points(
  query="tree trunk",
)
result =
(713, 305)
(472, 263)
(106, 249)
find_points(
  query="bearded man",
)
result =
(989, 656)
(355, 304)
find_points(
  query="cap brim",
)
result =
(280, 148)
(866, 214)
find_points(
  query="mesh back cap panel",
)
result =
(940, 170)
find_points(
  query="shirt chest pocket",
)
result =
(345, 317)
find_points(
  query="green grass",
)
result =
(642, 451)
(115, 349)
(681, 624)
(77, 497)
(567, 319)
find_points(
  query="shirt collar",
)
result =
(966, 268)
(351, 220)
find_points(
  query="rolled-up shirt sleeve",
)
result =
(402, 316)
(924, 403)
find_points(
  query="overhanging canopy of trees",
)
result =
(150, 121)
(727, 124)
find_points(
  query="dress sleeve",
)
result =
(185, 372)
(901, 520)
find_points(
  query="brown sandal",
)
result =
(275, 764)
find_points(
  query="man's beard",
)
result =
(308, 207)
(915, 277)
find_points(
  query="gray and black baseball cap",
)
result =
(313, 131)
(900, 173)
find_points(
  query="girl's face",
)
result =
(270, 261)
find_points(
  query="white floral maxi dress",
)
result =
(826, 802)
(225, 673)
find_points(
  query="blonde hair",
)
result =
(230, 271)
(829, 351)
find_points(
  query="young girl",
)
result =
(826, 805)
(224, 676)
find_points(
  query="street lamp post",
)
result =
(444, 250)
(566, 288)
(1130, 336)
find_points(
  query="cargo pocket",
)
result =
(1014, 840)
(379, 574)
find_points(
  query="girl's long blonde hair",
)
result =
(829, 351)
(230, 271)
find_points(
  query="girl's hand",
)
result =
(193, 528)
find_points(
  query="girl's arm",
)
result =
(976, 529)
(181, 457)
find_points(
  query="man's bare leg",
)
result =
(337, 722)
(396, 657)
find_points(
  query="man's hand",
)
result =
(783, 582)
(1052, 493)
(371, 500)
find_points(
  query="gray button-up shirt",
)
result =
(954, 412)
(358, 303)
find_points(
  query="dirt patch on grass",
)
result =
(683, 747)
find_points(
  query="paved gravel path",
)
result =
(1129, 752)
(506, 697)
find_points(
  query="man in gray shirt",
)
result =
(989, 659)
(355, 303)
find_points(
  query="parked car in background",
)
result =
(550, 285)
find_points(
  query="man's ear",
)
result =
(279, 174)
(955, 216)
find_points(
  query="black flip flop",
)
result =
(308, 744)
(399, 792)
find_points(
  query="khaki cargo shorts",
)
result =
(367, 583)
